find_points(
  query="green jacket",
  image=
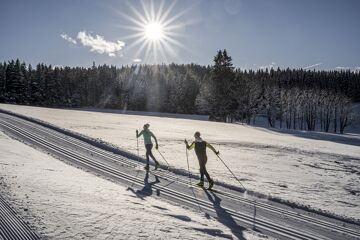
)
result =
(147, 134)
(200, 149)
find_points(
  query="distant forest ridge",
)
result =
(295, 98)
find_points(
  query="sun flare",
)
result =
(157, 30)
(154, 31)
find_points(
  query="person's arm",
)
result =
(139, 134)
(208, 145)
(156, 142)
(192, 145)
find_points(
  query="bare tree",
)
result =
(345, 117)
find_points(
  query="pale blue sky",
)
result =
(256, 33)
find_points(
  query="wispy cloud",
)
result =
(137, 60)
(342, 68)
(68, 38)
(314, 65)
(98, 44)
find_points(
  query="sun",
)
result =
(154, 31)
(157, 30)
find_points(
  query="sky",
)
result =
(320, 34)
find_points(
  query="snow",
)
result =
(156, 114)
(316, 169)
(63, 202)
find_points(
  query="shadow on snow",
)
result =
(147, 190)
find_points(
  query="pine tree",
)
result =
(223, 101)
(2, 81)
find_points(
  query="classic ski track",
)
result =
(11, 226)
(97, 166)
(110, 171)
(162, 174)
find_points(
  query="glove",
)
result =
(137, 132)
(185, 141)
(157, 147)
(217, 153)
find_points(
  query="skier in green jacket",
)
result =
(200, 149)
(147, 134)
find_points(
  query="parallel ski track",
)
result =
(99, 167)
(12, 227)
(130, 163)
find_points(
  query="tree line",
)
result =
(287, 98)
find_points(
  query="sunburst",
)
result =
(156, 31)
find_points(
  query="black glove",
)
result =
(217, 153)
(156, 146)
(186, 142)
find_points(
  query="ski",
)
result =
(203, 188)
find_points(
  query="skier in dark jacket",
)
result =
(200, 150)
(147, 134)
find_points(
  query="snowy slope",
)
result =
(63, 202)
(316, 169)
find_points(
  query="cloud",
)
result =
(99, 44)
(137, 60)
(342, 68)
(68, 38)
(314, 65)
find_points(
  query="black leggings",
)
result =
(203, 170)
(149, 153)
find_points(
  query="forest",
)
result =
(288, 98)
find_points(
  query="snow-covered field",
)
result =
(316, 169)
(63, 202)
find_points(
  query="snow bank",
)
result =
(63, 202)
(142, 113)
(312, 169)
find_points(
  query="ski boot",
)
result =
(200, 184)
(211, 184)
(157, 164)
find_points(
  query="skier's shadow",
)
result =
(147, 190)
(224, 217)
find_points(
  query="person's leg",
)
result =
(201, 175)
(201, 183)
(203, 166)
(211, 182)
(148, 151)
(206, 174)
(150, 146)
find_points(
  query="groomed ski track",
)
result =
(229, 207)
(11, 226)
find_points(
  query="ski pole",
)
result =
(231, 171)
(137, 146)
(138, 155)
(187, 160)
(164, 158)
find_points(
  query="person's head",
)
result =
(197, 135)
(146, 126)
